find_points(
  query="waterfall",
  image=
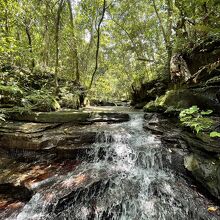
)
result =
(125, 178)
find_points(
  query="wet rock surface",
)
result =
(35, 136)
(124, 173)
(64, 132)
(202, 142)
(169, 132)
(206, 170)
(189, 154)
(21, 179)
(43, 147)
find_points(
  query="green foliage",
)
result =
(133, 48)
(208, 112)
(214, 134)
(22, 109)
(69, 99)
(10, 90)
(10, 94)
(195, 119)
(41, 100)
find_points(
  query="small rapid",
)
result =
(125, 177)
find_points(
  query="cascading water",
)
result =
(124, 178)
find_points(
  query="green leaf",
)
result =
(214, 134)
(193, 109)
(206, 112)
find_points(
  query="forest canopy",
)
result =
(106, 46)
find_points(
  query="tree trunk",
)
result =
(27, 30)
(166, 34)
(57, 29)
(98, 43)
(169, 31)
(46, 36)
(75, 49)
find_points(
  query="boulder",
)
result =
(201, 142)
(148, 91)
(206, 170)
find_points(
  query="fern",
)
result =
(195, 119)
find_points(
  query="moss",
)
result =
(153, 106)
(177, 100)
(168, 101)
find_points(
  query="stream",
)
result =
(125, 176)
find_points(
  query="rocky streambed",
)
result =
(106, 165)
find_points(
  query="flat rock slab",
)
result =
(108, 117)
(26, 128)
(69, 116)
(62, 132)
(67, 140)
(37, 136)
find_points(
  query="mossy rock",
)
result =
(177, 100)
(172, 99)
(154, 106)
(206, 170)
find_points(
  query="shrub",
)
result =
(41, 100)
